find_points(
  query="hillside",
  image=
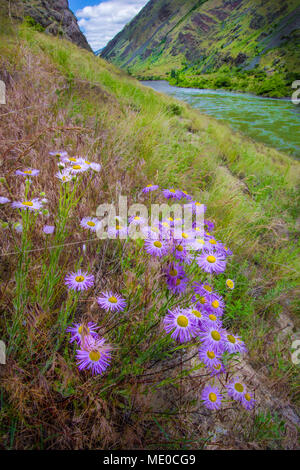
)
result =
(61, 98)
(225, 43)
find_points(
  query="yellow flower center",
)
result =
(215, 335)
(197, 313)
(211, 354)
(71, 159)
(87, 163)
(211, 259)
(76, 167)
(113, 300)
(212, 242)
(27, 172)
(198, 204)
(207, 287)
(212, 317)
(118, 227)
(231, 339)
(165, 224)
(200, 241)
(170, 219)
(239, 387)
(202, 300)
(79, 278)
(213, 397)
(80, 329)
(137, 217)
(178, 281)
(27, 203)
(182, 321)
(172, 191)
(217, 367)
(149, 185)
(247, 397)
(179, 248)
(230, 283)
(157, 244)
(94, 356)
(215, 304)
(173, 272)
(90, 223)
(185, 235)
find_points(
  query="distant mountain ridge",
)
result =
(171, 35)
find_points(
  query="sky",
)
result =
(100, 20)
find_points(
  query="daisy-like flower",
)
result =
(248, 401)
(212, 262)
(198, 244)
(217, 369)
(212, 339)
(79, 329)
(230, 284)
(178, 285)
(4, 200)
(209, 225)
(32, 205)
(111, 301)
(70, 160)
(197, 315)
(202, 288)
(90, 223)
(198, 207)
(209, 358)
(59, 154)
(157, 248)
(118, 230)
(234, 344)
(227, 251)
(174, 271)
(184, 195)
(137, 220)
(211, 321)
(181, 324)
(149, 188)
(181, 253)
(27, 172)
(215, 304)
(236, 389)
(93, 165)
(79, 281)
(94, 355)
(48, 229)
(172, 193)
(211, 397)
(64, 176)
(79, 167)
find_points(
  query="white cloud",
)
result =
(102, 22)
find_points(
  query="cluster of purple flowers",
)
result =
(201, 320)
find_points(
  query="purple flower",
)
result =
(94, 355)
(197, 315)
(149, 188)
(209, 358)
(178, 285)
(181, 324)
(181, 253)
(217, 369)
(209, 225)
(230, 284)
(213, 339)
(79, 281)
(212, 262)
(79, 329)
(27, 172)
(248, 401)
(90, 223)
(32, 205)
(137, 220)
(172, 193)
(112, 302)
(234, 344)
(4, 200)
(236, 389)
(48, 229)
(212, 397)
(215, 304)
(59, 154)
(157, 248)
(211, 321)
(202, 289)
(174, 271)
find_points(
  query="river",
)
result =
(275, 122)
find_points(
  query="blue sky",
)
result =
(100, 20)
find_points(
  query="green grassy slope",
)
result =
(64, 97)
(241, 45)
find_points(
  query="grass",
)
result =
(66, 98)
